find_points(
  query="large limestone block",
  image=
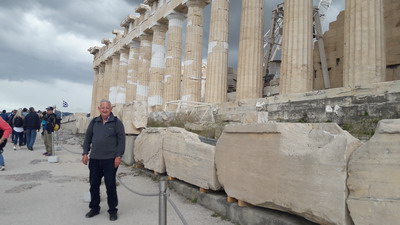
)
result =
(134, 116)
(129, 154)
(295, 167)
(189, 159)
(149, 149)
(374, 177)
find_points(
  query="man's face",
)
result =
(105, 109)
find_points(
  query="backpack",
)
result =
(18, 122)
(58, 124)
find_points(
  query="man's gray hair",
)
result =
(105, 100)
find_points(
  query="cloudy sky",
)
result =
(43, 47)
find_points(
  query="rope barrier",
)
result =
(138, 193)
(167, 194)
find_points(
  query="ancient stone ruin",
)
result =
(278, 143)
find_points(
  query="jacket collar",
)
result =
(110, 118)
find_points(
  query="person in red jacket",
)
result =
(5, 131)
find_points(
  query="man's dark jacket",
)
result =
(32, 121)
(105, 141)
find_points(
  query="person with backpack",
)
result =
(31, 126)
(5, 131)
(50, 124)
(11, 117)
(18, 129)
(4, 115)
(105, 140)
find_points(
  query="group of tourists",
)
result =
(23, 125)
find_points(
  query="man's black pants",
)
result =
(99, 168)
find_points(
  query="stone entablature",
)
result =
(162, 13)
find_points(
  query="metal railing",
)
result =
(163, 198)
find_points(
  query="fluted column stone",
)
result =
(218, 47)
(122, 76)
(191, 83)
(100, 86)
(297, 47)
(107, 78)
(133, 70)
(364, 43)
(94, 91)
(144, 67)
(114, 78)
(157, 68)
(250, 63)
(173, 71)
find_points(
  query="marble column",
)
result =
(250, 62)
(144, 67)
(94, 91)
(114, 78)
(191, 80)
(107, 78)
(364, 43)
(297, 47)
(173, 71)
(157, 68)
(218, 47)
(100, 86)
(122, 76)
(133, 69)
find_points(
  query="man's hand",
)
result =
(117, 161)
(2, 140)
(85, 159)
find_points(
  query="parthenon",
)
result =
(140, 65)
(286, 118)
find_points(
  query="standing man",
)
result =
(105, 140)
(50, 123)
(31, 126)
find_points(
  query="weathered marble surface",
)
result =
(189, 159)
(374, 177)
(295, 167)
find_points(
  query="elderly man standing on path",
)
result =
(105, 140)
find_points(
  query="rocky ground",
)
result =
(34, 191)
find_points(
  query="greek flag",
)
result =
(65, 104)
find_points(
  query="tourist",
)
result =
(5, 131)
(43, 122)
(4, 115)
(18, 129)
(24, 113)
(31, 126)
(50, 123)
(11, 117)
(105, 140)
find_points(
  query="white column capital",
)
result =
(197, 3)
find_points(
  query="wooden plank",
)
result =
(242, 203)
(231, 199)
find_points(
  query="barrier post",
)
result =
(162, 209)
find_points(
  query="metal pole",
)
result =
(162, 203)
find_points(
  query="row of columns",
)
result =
(151, 70)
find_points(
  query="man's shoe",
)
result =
(113, 217)
(91, 213)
